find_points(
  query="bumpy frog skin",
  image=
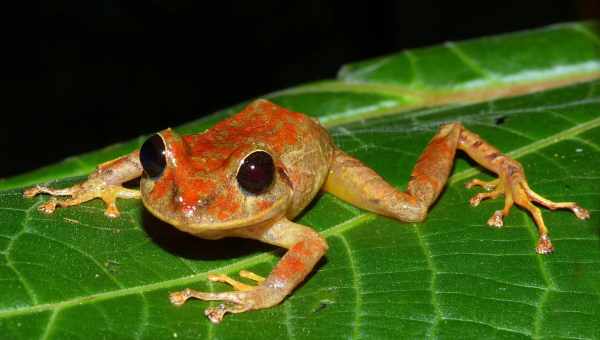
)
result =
(195, 183)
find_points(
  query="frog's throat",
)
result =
(277, 210)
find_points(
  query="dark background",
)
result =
(112, 70)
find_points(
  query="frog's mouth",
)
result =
(212, 228)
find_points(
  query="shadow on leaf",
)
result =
(194, 248)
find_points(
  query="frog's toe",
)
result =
(228, 280)
(179, 298)
(39, 189)
(111, 208)
(239, 286)
(581, 213)
(497, 219)
(48, 207)
(544, 245)
(487, 185)
(495, 188)
(31, 192)
(216, 314)
(252, 276)
(475, 200)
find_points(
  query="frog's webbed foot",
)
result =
(305, 248)
(243, 299)
(104, 183)
(83, 192)
(513, 185)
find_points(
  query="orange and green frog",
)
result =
(251, 174)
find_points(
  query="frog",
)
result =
(251, 174)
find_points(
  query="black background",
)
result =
(112, 70)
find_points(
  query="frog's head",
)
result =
(202, 186)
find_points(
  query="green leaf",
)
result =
(78, 274)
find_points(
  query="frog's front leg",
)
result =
(352, 181)
(105, 183)
(305, 248)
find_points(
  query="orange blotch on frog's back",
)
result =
(209, 164)
(259, 121)
(205, 143)
(289, 133)
(285, 135)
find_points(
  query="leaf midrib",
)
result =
(245, 263)
(411, 99)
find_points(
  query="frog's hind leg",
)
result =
(352, 181)
(487, 185)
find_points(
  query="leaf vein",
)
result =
(432, 283)
(84, 254)
(9, 260)
(356, 284)
(50, 325)
(145, 312)
(525, 333)
(467, 60)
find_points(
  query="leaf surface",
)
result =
(78, 274)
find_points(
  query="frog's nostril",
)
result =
(152, 156)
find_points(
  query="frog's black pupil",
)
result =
(256, 172)
(152, 156)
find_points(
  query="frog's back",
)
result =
(302, 146)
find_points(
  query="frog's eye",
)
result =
(152, 156)
(256, 172)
